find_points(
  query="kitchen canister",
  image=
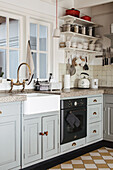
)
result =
(94, 83)
(67, 81)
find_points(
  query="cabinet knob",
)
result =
(0, 112)
(94, 100)
(94, 131)
(46, 133)
(74, 144)
(94, 113)
(42, 134)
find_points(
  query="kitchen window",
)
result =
(40, 48)
(10, 44)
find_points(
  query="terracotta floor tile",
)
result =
(102, 166)
(88, 161)
(105, 154)
(78, 166)
(96, 157)
(109, 161)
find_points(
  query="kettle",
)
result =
(84, 81)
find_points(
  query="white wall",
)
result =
(43, 11)
(90, 3)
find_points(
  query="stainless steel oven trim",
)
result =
(62, 125)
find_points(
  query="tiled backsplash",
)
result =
(103, 73)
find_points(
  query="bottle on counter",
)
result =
(37, 85)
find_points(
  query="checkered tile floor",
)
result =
(100, 159)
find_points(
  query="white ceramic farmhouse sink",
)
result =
(40, 103)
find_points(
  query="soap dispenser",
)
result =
(37, 85)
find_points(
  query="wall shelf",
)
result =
(81, 50)
(79, 21)
(72, 34)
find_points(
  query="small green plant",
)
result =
(2, 73)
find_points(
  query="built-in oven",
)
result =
(73, 119)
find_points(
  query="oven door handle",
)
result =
(62, 125)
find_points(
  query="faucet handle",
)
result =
(8, 79)
(26, 79)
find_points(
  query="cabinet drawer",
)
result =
(72, 145)
(94, 132)
(94, 100)
(94, 113)
(8, 109)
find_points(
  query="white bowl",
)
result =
(85, 47)
(80, 46)
(98, 49)
(92, 47)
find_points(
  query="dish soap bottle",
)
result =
(37, 85)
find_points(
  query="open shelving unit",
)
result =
(68, 34)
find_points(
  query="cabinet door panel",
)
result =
(9, 142)
(94, 113)
(50, 146)
(32, 140)
(108, 122)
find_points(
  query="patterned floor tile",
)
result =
(101, 159)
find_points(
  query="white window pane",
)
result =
(13, 33)
(43, 65)
(35, 64)
(43, 31)
(33, 36)
(13, 63)
(3, 62)
(3, 32)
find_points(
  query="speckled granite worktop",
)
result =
(13, 97)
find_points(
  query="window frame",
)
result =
(7, 47)
(44, 23)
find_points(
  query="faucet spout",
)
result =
(19, 70)
(18, 81)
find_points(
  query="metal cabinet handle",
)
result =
(0, 112)
(74, 144)
(94, 100)
(109, 112)
(46, 133)
(94, 131)
(42, 134)
(94, 113)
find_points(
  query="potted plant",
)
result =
(1, 75)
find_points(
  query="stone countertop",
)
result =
(6, 97)
(14, 97)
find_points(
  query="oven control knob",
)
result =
(69, 104)
(75, 103)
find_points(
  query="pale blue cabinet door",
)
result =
(32, 140)
(9, 142)
(50, 143)
(108, 121)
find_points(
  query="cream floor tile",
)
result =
(101, 161)
(77, 162)
(90, 166)
(107, 157)
(66, 166)
(86, 158)
(110, 165)
(94, 154)
(102, 150)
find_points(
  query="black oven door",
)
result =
(73, 125)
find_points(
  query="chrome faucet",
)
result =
(18, 83)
